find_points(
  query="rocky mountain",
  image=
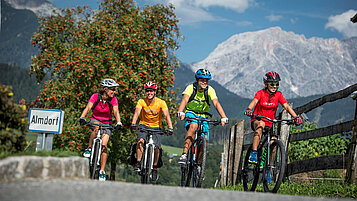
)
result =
(42, 8)
(307, 66)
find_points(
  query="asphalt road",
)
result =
(87, 190)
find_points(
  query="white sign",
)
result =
(46, 120)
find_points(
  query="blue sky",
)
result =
(206, 23)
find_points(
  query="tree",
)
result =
(80, 47)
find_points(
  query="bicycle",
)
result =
(271, 160)
(94, 159)
(196, 157)
(147, 160)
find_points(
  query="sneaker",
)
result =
(183, 159)
(253, 157)
(137, 167)
(86, 153)
(268, 177)
(102, 175)
(154, 175)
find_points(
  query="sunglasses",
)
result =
(149, 90)
(112, 88)
(272, 84)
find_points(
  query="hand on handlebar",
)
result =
(170, 131)
(82, 121)
(118, 126)
(181, 115)
(134, 127)
(224, 121)
(249, 112)
(297, 120)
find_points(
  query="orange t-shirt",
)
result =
(151, 113)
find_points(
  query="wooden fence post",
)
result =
(351, 174)
(238, 151)
(230, 156)
(285, 129)
(225, 163)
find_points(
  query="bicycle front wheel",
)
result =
(274, 167)
(189, 165)
(250, 173)
(201, 165)
(145, 177)
(93, 166)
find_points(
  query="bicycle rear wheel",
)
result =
(250, 172)
(274, 167)
(93, 166)
(202, 161)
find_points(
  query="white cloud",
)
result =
(243, 23)
(343, 24)
(194, 11)
(294, 20)
(274, 18)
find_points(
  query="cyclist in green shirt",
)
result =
(195, 103)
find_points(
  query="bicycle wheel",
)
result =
(93, 167)
(189, 165)
(202, 161)
(250, 173)
(274, 167)
(146, 168)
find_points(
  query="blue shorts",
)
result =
(205, 126)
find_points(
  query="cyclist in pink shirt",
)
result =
(103, 104)
(265, 103)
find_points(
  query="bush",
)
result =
(13, 124)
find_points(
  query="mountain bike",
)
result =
(196, 157)
(94, 159)
(271, 160)
(147, 160)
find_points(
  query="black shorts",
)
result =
(266, 128)
(142, 135)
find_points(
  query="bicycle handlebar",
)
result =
(214, 122)
(288, 121)
(159, 132)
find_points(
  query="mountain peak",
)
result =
(307, 66)
(42, 8)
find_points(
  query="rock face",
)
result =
(34, 167)
(307, 66)
(42, 8)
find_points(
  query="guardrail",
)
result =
(231, 161)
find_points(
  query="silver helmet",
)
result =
(109, 83)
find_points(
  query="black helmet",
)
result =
(271, 77)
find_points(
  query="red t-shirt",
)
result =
(268, 104)
(101, 111)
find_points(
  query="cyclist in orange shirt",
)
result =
(150, 110)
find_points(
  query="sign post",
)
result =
(46, 122)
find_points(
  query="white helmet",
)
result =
(109, 83)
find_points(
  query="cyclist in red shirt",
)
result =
(265, 103)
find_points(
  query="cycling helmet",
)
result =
(203, 73)
(271, 77)
(150, 85)
(109, 83)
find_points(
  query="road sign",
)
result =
(46, 120)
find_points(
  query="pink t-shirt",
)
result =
(101, 111)
(268, 104)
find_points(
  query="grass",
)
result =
(316, 189)
(172, 150)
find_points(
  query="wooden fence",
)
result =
(232, 157)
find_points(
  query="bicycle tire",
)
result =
(95, 161)
(250, 172)
(276, 167)
(202, 164)
(189, 165)
(143, 171)
(149, 163)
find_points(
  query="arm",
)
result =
(116, 113)
(168, 118)
(136, 115)
(289, 109)
(253, 104)
(87, 109)
(183, 105)
(219, 109)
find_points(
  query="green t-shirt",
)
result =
(198, 104)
